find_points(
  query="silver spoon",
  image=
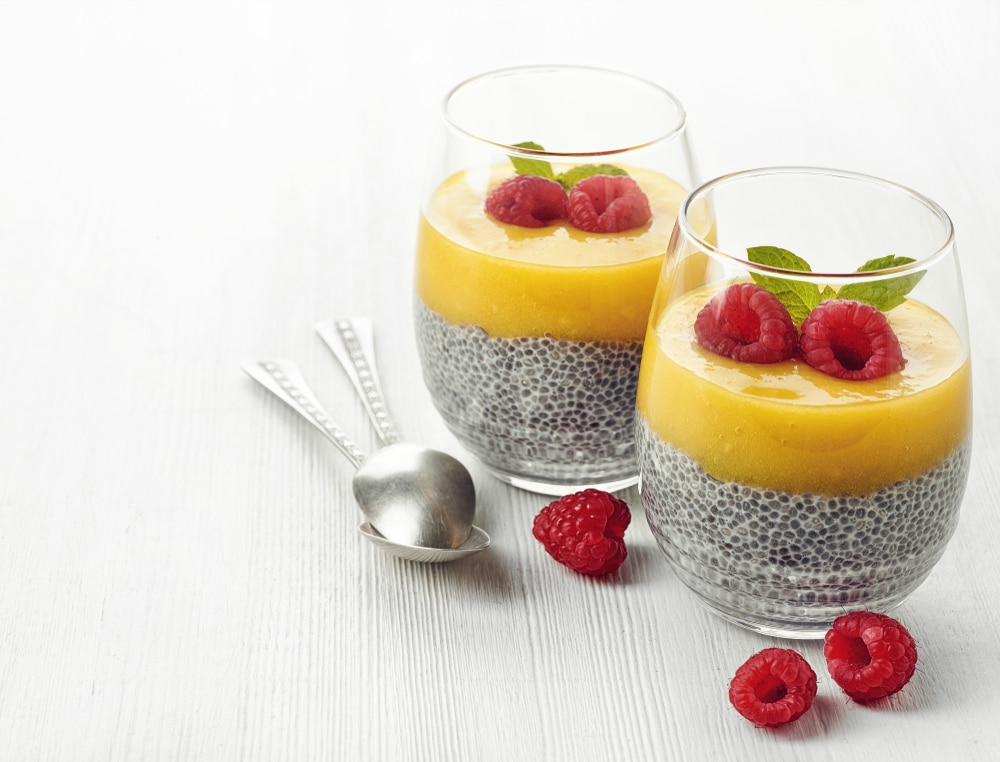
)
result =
(352, 342)
(419, 503)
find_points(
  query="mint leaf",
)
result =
(886, 294)
(524, 166)
(798, 297)
(774, 256)
(572, 176)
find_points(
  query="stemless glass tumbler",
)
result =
(550, 198)
(805, 397)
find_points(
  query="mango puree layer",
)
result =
(788, 427)
(557, 280)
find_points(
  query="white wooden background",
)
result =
(186, 185)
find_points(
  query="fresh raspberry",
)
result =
(584, 531)
(607, 204)
(747, 323)
(773, 687)
(869, 655)
(850, 340)
(528, 201)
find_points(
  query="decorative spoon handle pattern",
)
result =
(352, 341)
(285, 380)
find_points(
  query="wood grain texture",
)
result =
(186, 186)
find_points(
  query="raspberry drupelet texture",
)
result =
(773, 687)
(585, 531)
(528, 201)
(746, 323)
(850, 340)
(607, 204)
(870, 656)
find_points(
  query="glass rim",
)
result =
(678, 127)
(702, 191)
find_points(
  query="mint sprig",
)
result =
(527, 166)
(801, 298)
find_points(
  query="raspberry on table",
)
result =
(773, 687)
(748, 324)
(585, 531)
(607, 204)
(528, 201)
(869, 655)
(850, 340)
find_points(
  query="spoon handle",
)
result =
(352, 341)
(285, 380)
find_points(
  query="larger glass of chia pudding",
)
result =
(804, 405)
(549, 203)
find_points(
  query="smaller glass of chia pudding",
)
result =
(804, 406)
(549, 201)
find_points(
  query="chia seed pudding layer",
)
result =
(787, 561)
(534, 408)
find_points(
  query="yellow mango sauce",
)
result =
(786, 426)
(556, 280)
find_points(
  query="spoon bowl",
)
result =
(422, 497)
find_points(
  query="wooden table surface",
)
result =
(187, 185)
